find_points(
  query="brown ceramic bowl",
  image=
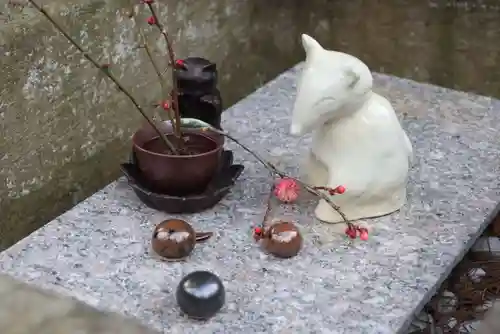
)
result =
(146, 132)
(177, 174)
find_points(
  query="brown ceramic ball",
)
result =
(282, 239)
(173, 239)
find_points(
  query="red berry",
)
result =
(151, 20)
(363, 234)
(166, 105)
(258, 230)
(340, 189)
(351, 233)
(179, 62)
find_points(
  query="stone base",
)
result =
(26, 309)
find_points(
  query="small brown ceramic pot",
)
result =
(174, 239)
(172, 174)
(282, 239)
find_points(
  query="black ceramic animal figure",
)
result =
(197, 87)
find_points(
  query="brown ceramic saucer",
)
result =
(219, 187)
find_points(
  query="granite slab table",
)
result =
(99, 251)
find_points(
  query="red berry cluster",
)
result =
(352, 231)
(332, 191)
(258, 233)
(338, 190)
(151, 20)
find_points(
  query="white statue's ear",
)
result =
(353, 78)
(310, 45)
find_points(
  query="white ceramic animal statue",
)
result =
(357, 141)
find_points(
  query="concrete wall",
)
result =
(64, 127)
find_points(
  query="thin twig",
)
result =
(152, 60)
(273, 170)
(171, 55)
(268, 208)
(158, 72)
(106, 71)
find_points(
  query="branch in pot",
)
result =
(352, 230)
(105, 69)
(282, 175)
(164, 105)
(275, 171)
(153, 20)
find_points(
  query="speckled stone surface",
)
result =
(99, 251)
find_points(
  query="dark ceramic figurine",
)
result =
(197, 87)
(174, 239)
(282, 239)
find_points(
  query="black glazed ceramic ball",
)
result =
(200, 295)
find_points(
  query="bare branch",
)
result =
(159, 74)
(171, 55)
(275, 171)
(105, 70)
